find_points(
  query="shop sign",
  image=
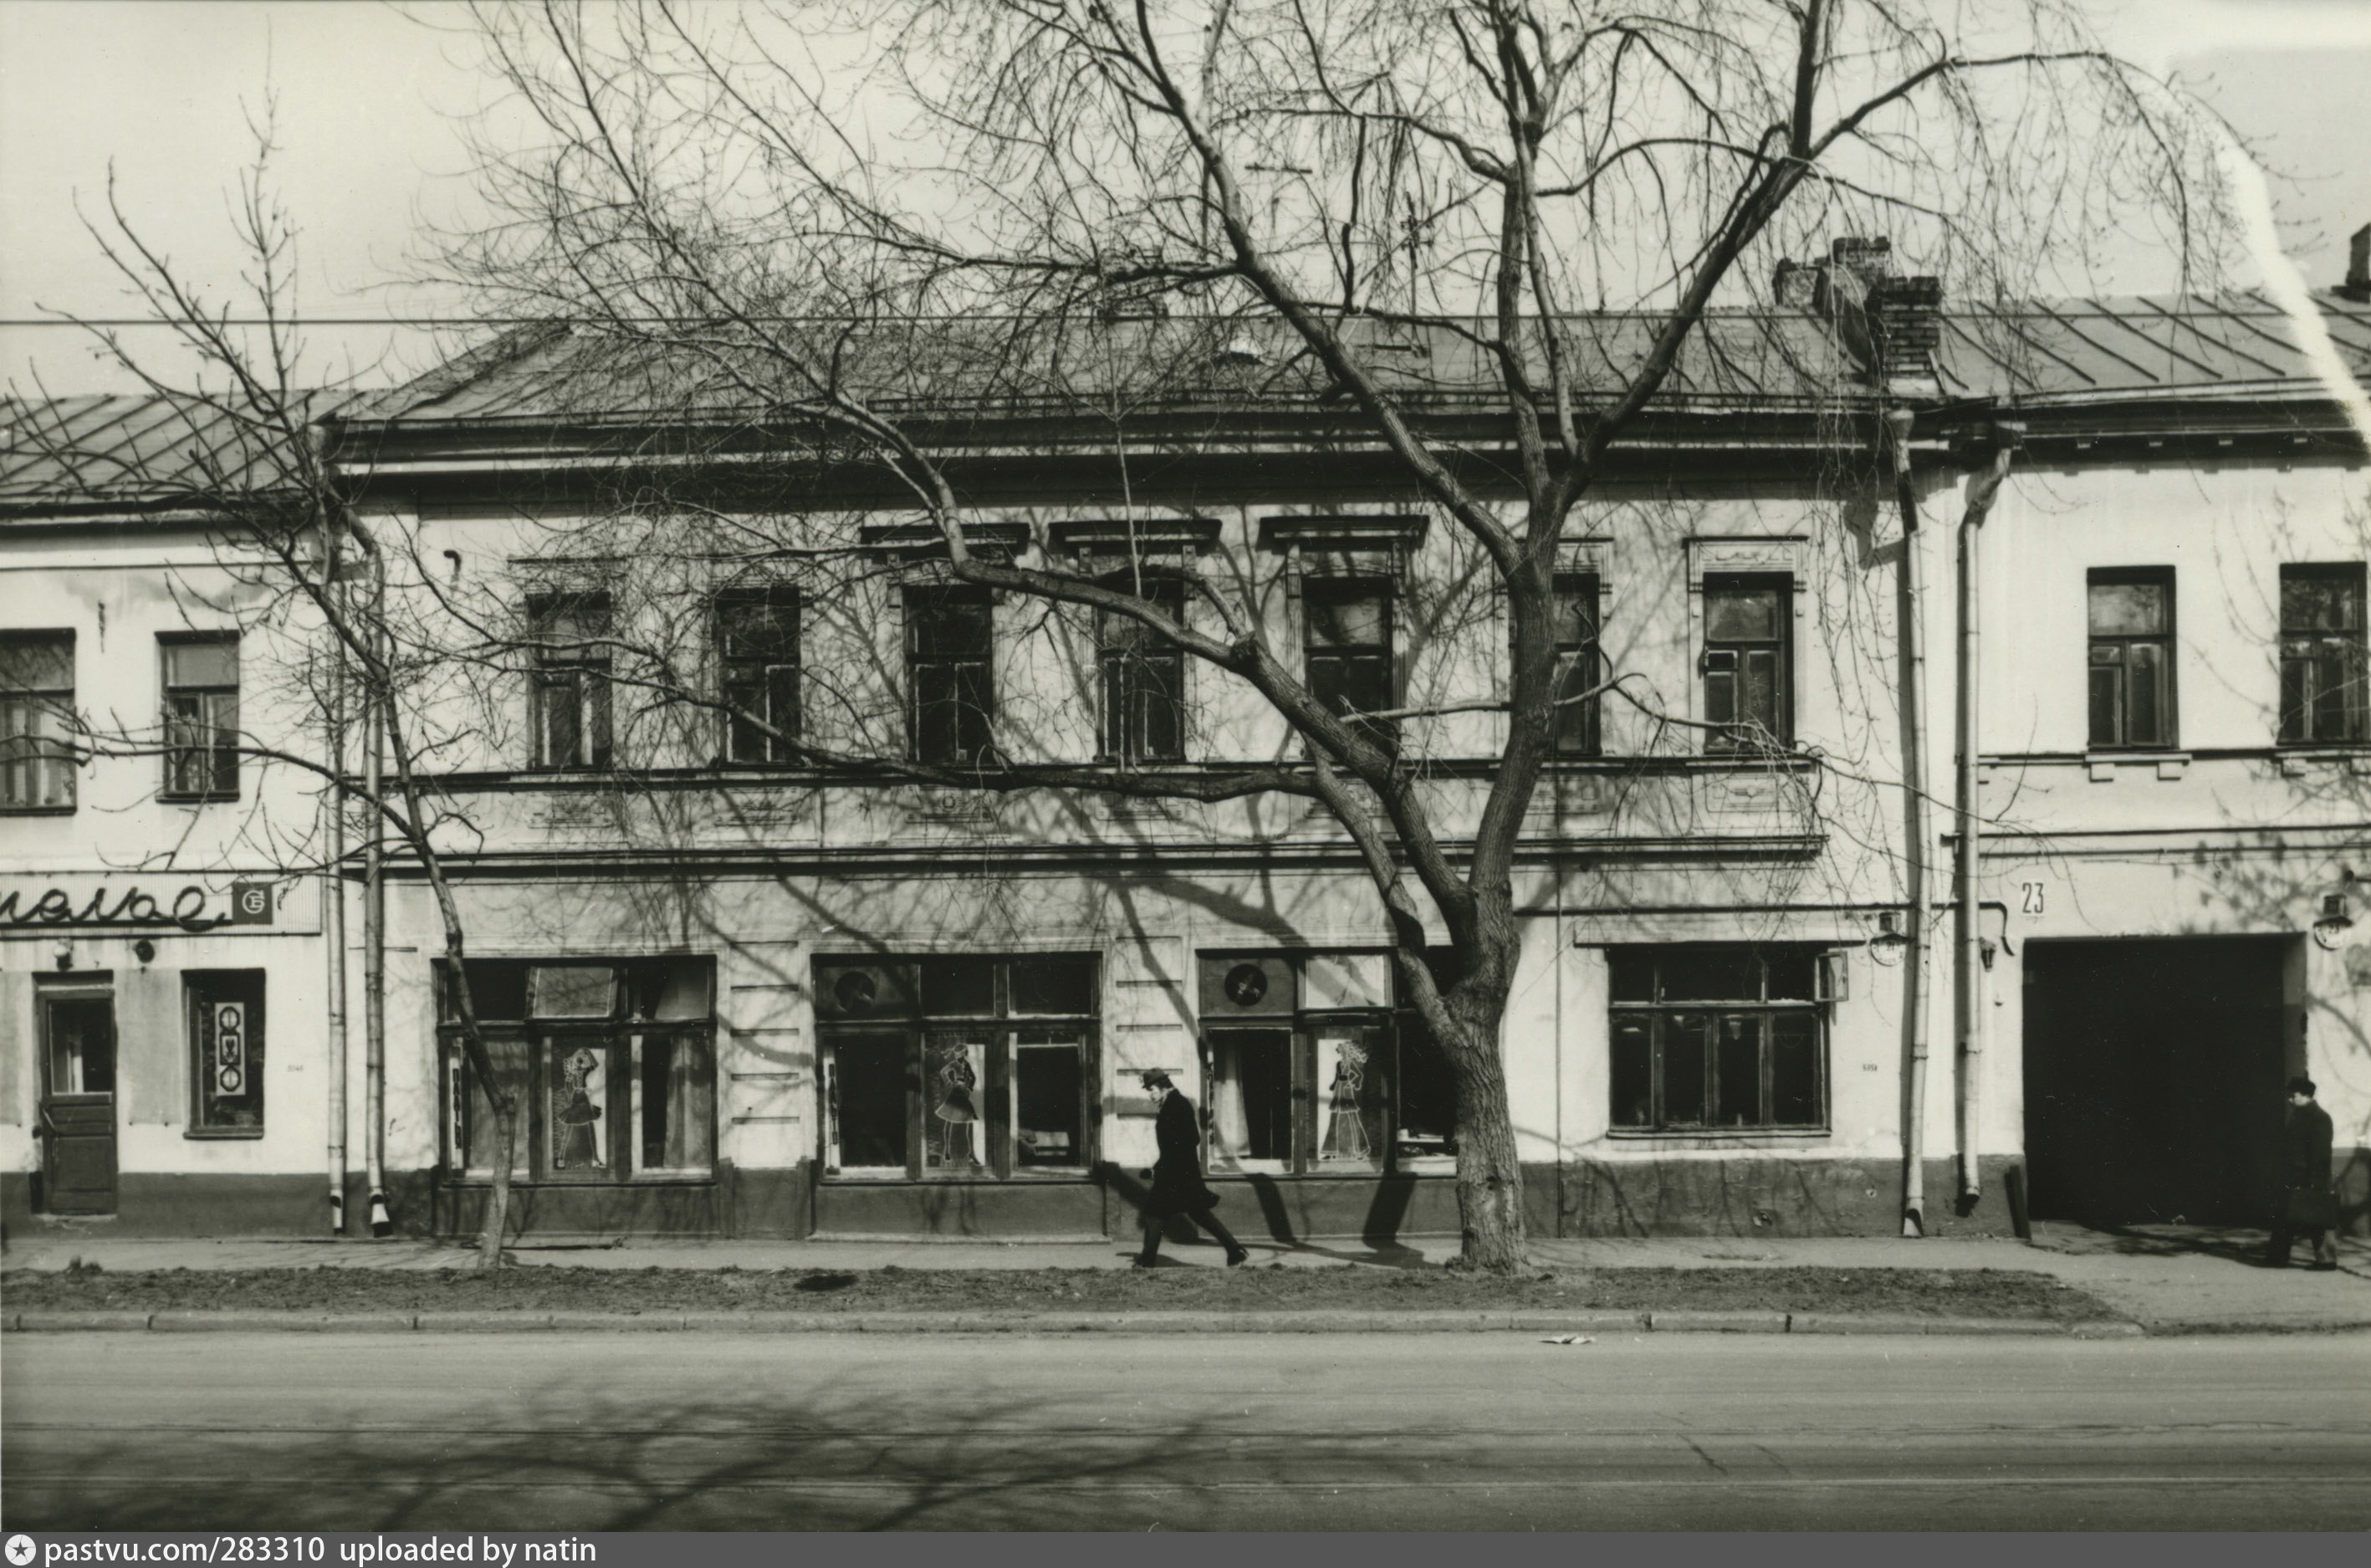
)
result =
(228, 1078)
(190, 907)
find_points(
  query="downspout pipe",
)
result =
(333, 896)
(1983, 486)
(1916, 987)
(382, 1222)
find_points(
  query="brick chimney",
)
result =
(2357, 286)
(1891, 325)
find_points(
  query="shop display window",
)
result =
(224, 1007)
(958, 1068)
(614, 1064)
(1310, 1069)
(1716, 1038)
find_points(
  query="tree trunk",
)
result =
(1489, 1177)
(498, 1198)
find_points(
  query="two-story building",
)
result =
(748, 994)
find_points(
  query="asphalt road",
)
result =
(153, 1431)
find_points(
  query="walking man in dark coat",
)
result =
(1177, 1185)
(2308, 1204)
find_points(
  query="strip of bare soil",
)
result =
(1952, 1293)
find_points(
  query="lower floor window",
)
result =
(1340, 1095)
(224, 1007)
(1717, 1039)
(615, 1081)
(954, 1100)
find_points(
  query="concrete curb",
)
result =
(258, 1321)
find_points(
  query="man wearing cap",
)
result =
(2308, 1204)
(1177, 1186)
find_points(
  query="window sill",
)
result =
(2103, 762)
(196, 800)
(36, 811)
(1698, 1138)
(221, 1135)
(548, 1184)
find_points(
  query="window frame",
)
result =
(201, 991)
(583, 673)
(1579, 662)
(1662, 1015)
(44, 757)
(621, 1034)
(778, 682)
(917, 1025)
(1379, 658)
(2350, 645)
(1732, 737)
(1123, 668)
(2169, 695)
(922, 664)
(216, 717)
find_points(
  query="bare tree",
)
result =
(349, 696)
(845, 224)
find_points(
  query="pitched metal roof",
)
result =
(2138, 346)
(136, 451)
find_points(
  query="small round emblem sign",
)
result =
(1245, 985)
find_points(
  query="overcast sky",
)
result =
(369, 96)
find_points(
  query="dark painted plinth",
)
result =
(1749, 1195)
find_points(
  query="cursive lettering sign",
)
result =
(191, 909)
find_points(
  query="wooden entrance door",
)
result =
(78, 1102)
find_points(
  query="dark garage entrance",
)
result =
(2152, 1075)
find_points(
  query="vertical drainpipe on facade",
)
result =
(333, 894)
(1898, 422)
(1982, 487)
(374, 918)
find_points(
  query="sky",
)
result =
(370, 97)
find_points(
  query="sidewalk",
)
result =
(2164, 1280)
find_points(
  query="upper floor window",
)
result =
(757, 650)
(1576, 726)
(37, 706)
(568, 698)
(201, 716)
(1716, 1038)
(1748, 661)
(2131, 658)
(1347, 648)
(950, 673)
(1143, 679)
(2322, 667)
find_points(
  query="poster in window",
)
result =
(1350, 1113)
(954, 1068)
(579, 1089)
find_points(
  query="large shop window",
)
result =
(569, 691)
(225, 1030)
(1144, 678)
(614, 1062)
(955, 1069)
(37, 711)
(1748, 681)
(2322, 667)
(758, 654)
(1717, 1039)
(950, 674)
(2131, 616)
(1310, 1070)
(201, 716)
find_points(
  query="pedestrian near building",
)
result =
(1177, 1185)
(2308, 1204)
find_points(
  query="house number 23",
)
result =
(2034, 893)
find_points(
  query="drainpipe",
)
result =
(374, 916)
(1898, 422)
(1983, 486)
(333, 901)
